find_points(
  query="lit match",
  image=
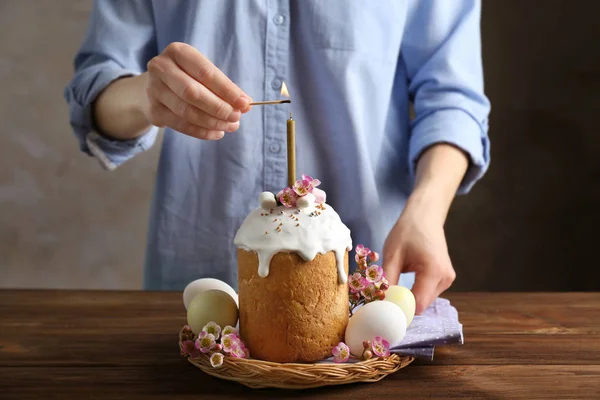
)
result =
(284, 92)
(262, 103)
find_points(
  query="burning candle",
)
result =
(291, 134)
(291, 150)
(291, 141)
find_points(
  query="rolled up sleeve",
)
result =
(442, 54)
(119, 42)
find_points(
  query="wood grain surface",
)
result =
(105, 345)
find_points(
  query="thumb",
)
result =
(393, 262)
(424, 290)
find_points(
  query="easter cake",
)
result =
(292, 275)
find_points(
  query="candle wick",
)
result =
(291, 115)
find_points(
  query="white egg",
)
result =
(403, 298)
(201, 285)
(378, 318)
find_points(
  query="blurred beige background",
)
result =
(64, 221)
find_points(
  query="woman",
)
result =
(352, 68)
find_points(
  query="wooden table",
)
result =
(89, 344)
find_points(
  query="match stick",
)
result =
(260, 103)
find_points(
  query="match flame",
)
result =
(284, 90)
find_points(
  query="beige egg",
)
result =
(403, 298)
(378, 318)
(200, 285)
(212, 305)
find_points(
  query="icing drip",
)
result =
(312, 230)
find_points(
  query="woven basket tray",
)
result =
(263, 374)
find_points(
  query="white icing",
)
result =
(316, 231)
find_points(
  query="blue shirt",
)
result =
(352, 68)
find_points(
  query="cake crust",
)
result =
(296, 314)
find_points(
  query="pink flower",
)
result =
(368, 292)
(288, 197)
(205, 342)
(361, 262)
(362, 250)
(229, 341)
(229, 330)
(374, 273)
(374, 256)
(381, 347)
(355, 297)
(320, 195)
(312, 181)
(379, 295)
(213, 328)
(216, 360)
(341, 353)
(187, 333)
(189, 349)
(302, 187)
(357, 282)
(238, 350)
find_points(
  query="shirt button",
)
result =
(275, 148)
(276, 84)
(279, 19)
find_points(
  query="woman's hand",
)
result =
(186, 92)
(417, 244)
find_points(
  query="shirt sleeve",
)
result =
(441, 51)
(119, 42)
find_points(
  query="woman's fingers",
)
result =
(431, 281)
(196, 65)
(189, 112)
(188, 93)
(424, 290)
(163, 116)
(191, 91)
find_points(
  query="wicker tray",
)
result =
(263, 374)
